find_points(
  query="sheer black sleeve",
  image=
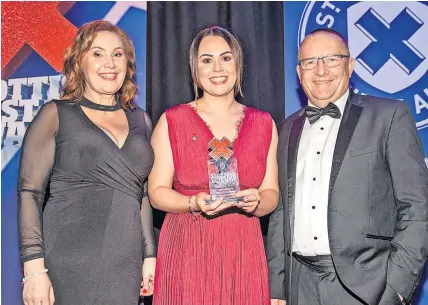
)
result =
(147, 234)
(37, 159)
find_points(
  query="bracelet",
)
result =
(192, 210)
(25, 279)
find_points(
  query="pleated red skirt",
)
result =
(219, 261)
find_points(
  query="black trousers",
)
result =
(315, 282)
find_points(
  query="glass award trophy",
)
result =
(222, 170)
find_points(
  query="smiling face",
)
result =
(323, 84)
(216, 66)
(104, 65)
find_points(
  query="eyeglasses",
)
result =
(329, 60)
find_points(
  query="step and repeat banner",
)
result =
(388, 40)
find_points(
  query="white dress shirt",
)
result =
(314, 159)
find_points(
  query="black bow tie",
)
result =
(314, 114)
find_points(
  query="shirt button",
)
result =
(322, 128)
(315, 238)
(314, 179)
(318, 152)
(313, 207)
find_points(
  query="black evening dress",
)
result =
(94, 227)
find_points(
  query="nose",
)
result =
(320, 69)
(109, 62)
(217, 65)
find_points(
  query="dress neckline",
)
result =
(90, 104)
(238, 123)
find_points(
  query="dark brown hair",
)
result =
(234, 45)
(75, 85)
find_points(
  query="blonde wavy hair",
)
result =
(75, 84)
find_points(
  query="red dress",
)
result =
(218, 261)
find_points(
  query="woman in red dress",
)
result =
(211, 253)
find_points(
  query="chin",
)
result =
(323, 95)
(218, 90)
(110, 90)
(222, 93)
(320, 101)
(218, 93)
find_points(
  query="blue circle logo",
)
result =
(389, 43)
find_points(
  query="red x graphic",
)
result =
(38, 26)
(220, 148)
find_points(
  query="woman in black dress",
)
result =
(85, 242)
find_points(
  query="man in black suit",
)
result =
(351, 226)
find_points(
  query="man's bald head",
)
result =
(328, 32)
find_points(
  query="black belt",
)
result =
(321, 263)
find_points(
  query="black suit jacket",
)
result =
(378, 201)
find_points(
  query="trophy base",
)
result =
(227, 199)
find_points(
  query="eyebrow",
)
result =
(97, 47)
(209, 55)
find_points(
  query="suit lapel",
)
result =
(295, 134)
(351, 115)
